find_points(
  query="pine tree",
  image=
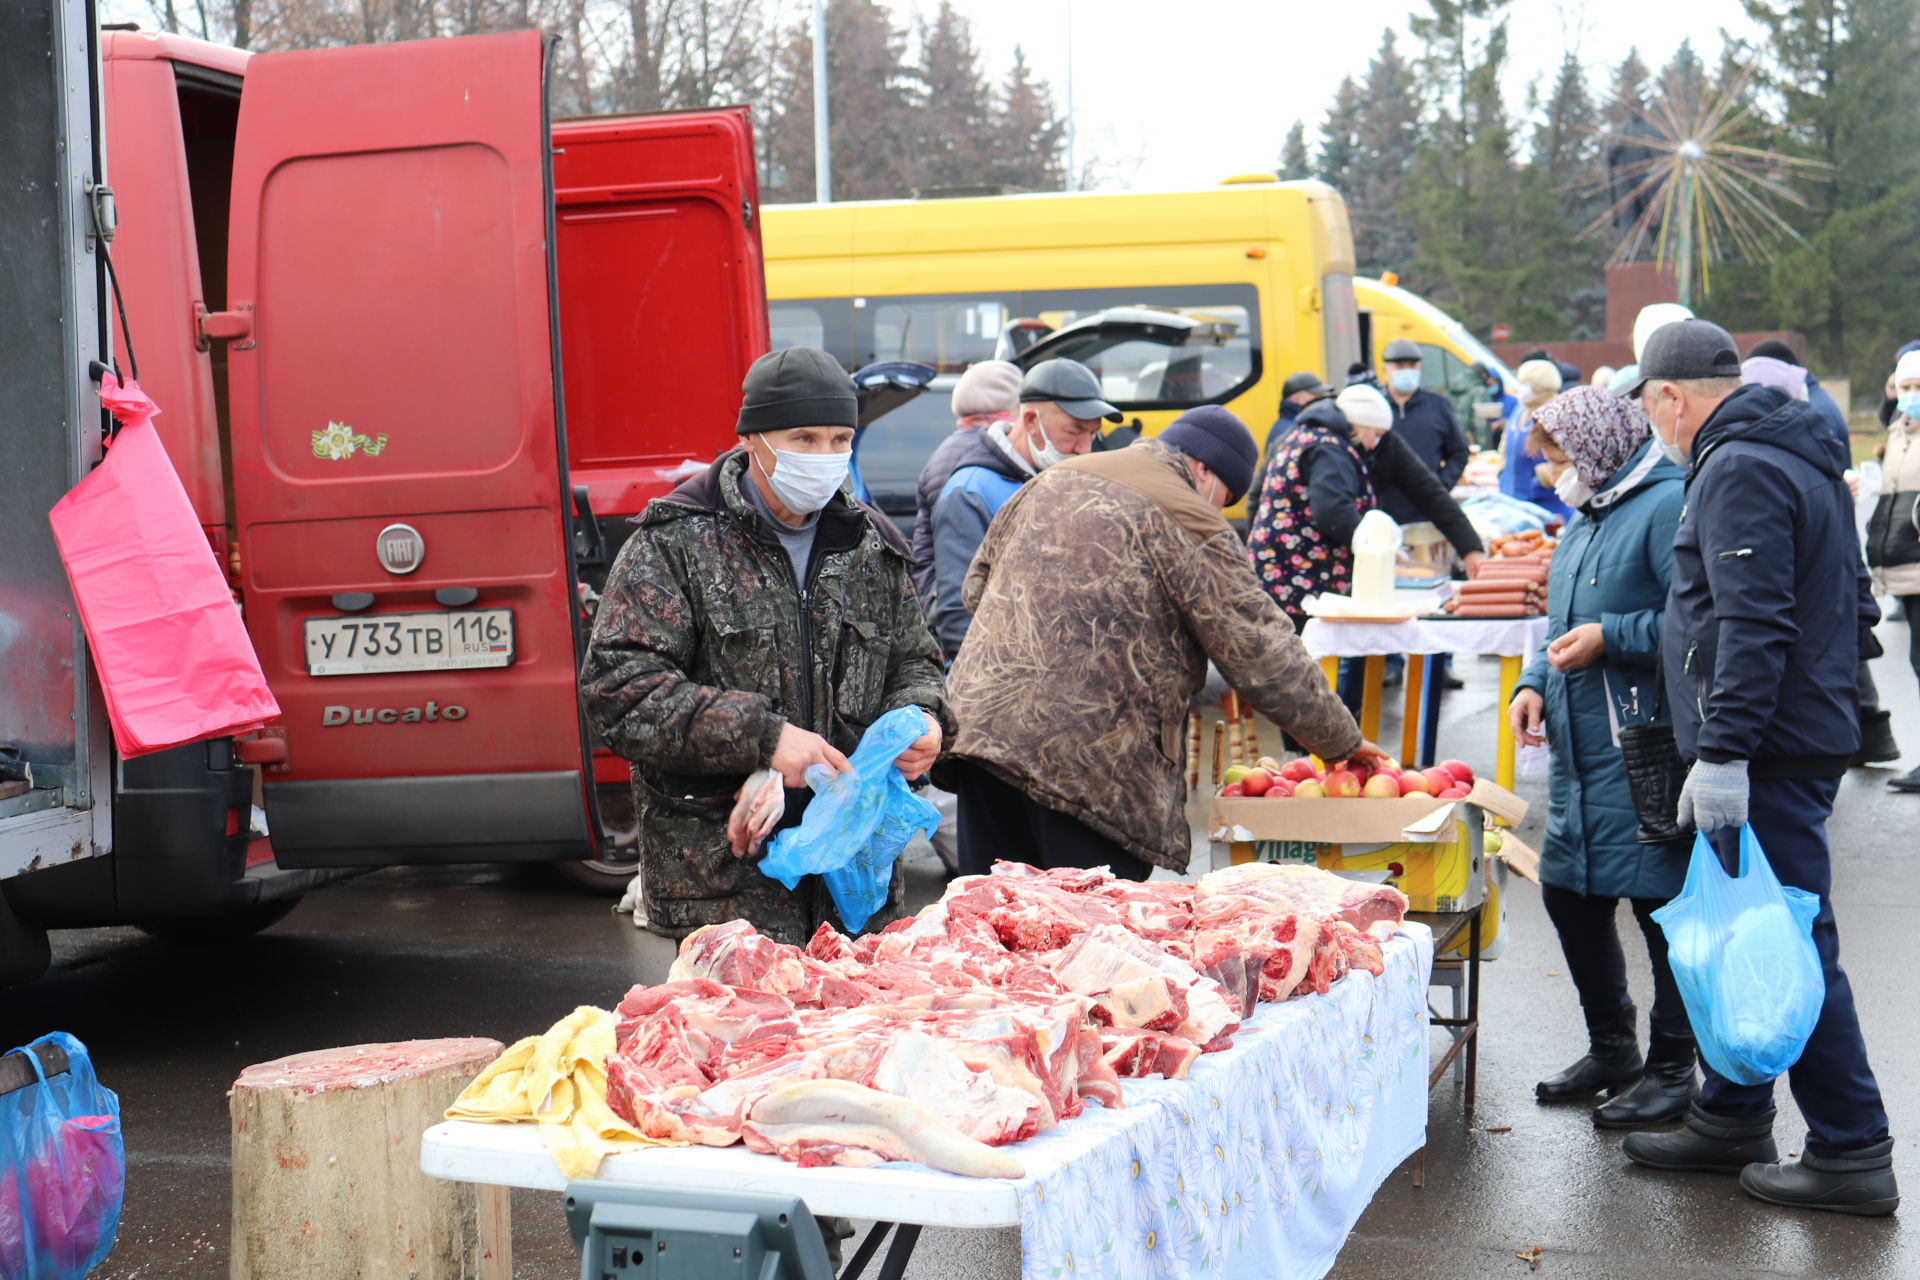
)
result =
(956, 107)
(1030, 136)
(1386, 136)
(1295, 163)
(1844, 70)
(1339, 147)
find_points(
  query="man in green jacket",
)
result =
(760, 617)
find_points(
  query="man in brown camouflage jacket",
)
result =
(1102, 589)
(759, 617)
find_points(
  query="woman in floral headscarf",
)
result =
(1601, 671)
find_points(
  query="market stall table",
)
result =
(1512, 640)
(1258, 1164)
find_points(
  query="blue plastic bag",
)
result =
(1742, 952)
(62, 1170)
(858, 822)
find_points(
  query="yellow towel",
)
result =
(558, 1081)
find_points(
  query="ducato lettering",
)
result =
(433, 711)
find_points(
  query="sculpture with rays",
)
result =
(1683, 173)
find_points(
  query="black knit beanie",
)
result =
(797, 387)
(1212, 435)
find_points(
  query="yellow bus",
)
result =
(1174, 299)
(1448, 351)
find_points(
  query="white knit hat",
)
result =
(990, 386)
(1363, 406)
(1909, 367)
(1541, 378)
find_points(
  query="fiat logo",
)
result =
(400, 548)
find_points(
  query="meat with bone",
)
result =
(993, 1014)
(1305, 890)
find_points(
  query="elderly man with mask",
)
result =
(759, 618)
(1059, 418)
(1425, 421)
(1767, 606)
(1100, 593)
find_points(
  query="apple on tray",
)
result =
(1235, 773)
(1257, 782)
(1455, 792)
(1231, 790)
(1381, 786)
(1280, 790)
(1309, 789)
(1297, 771)
(1415, 783)
(1462, 771)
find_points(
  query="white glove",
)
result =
(1715, 795)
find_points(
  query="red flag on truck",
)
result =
(171, 650)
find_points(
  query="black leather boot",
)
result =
(1708, 1143)
(1664, 1093)
(1612, 1061)
(1876, 739)
(1859, 1182)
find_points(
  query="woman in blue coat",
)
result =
(1607, 592)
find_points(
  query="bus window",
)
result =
(949, 332)
(826, 323)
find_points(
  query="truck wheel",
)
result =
(619, 858)
(229, 926)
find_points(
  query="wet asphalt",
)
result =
(505, 951)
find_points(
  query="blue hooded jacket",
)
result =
(1770, 595)
(1612, 568)
(983, 478)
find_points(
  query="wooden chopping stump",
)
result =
(326, 1168)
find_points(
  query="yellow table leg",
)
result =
(1503, 761)
(1410, 723)
(1331, 668)
(1370, 698)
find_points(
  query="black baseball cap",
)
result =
(1685, 349)
(1305, 381)
(1069, 384)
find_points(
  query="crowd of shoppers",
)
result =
(1061, 603)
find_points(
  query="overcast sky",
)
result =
(1196, 90)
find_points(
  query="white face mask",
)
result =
(1675, 454)
(1405, 381)
(805, 482)
(1044, 453)
(1572, 490)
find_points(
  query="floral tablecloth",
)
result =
(1261, 1161)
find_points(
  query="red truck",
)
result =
(421, 353)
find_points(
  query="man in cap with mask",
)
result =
(1764, 616)
(1424, 421)
(1099, 595)
(759, 618)
(1060, 413)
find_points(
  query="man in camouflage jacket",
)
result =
(711, 657)
(1102, 589)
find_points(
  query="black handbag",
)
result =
(1655, 771)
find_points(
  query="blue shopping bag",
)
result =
(62, 1170)
(1742, 952)
(857, 823)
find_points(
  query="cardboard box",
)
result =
(1429, 849)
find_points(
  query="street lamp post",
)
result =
(822, 146)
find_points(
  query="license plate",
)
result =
(457, 640)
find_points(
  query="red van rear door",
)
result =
(397, 456)
(662, 296)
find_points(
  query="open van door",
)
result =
(398, 459)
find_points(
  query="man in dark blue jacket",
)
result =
(1768, 602)
(1425, 421)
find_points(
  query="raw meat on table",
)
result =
(992, 1015)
